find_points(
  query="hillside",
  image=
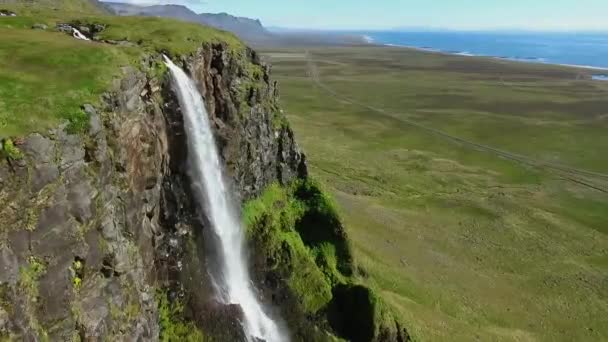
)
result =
(248, 29)
(101, 237)
(474, 190)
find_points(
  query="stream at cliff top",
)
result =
(233, 284)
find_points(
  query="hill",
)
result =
(250, 30)
(474, 190)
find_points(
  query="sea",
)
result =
(588, 50)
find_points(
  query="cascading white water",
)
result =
(234, 284)
(78, 35)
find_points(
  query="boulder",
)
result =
(39, 27)
(65, 28)
(7, 13)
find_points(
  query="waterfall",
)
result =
(233, 284)
(78, 35)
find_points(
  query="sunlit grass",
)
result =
(463, 244)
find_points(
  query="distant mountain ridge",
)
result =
(250, 30)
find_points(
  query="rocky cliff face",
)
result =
(94, 224)
(100, 237)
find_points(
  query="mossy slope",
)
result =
(298, 233)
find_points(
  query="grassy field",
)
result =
(465, 244)
(46, 76)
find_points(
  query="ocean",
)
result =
(580, 49)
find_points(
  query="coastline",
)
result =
(534, 60)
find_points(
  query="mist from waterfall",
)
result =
(233, 283)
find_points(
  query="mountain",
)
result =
(250, 30)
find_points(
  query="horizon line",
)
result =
(432, 29)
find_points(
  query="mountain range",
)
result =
(250, 30)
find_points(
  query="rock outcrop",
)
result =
(94, 224)
(101, 238)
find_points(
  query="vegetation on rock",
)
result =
(9, 150)
(172, 324)
(441, 228)
(298, 229)
(30, 275)
(92, 187)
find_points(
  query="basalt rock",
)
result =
(257, 146)
(77, 209)
(95, 225)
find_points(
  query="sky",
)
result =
(557, 15)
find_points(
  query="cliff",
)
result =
(100, 237)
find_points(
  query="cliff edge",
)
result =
(100, 236)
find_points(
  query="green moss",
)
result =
(250, 83)
(279, 120)
(5, 302)
(321, 229)
(270, 220)
(326, 259)
(78, 122)
(9, 150)
(173, 327)
(115, 312)
(29, 276)
(299, 230)
(276, 220)
(159, 70)
(31, 219)
(77, 272)
(132, 311)
(28, 286)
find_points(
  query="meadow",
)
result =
(46, 75)
(474, 190)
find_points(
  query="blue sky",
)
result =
(382, 14)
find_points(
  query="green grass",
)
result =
(35, 7)
(160, 34)
(172, 326)
(9, 150)
(299, 232)
(462, 244)
(271, 220)
(548, 112)
(46, 76)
